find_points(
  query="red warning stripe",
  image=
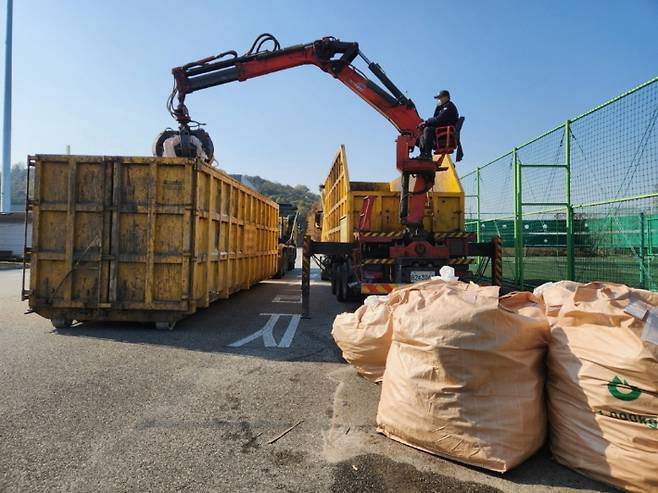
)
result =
(461, 261)
(378, 288)
(378, 234)
(444, 236)
(379, 261)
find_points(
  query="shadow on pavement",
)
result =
(542, 469)
(225, 322)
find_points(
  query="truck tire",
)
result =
(339, 283)
(61, 323)
(282, 263)
(334, 273)
(342, 290)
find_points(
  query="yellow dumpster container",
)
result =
(342, 201)
(142, 238)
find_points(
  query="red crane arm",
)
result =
(334, 57)
(328, 54)
(403, 117)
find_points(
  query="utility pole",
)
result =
(6, 125)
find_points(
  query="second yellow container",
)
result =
(342, 201)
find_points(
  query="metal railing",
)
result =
(579, 201)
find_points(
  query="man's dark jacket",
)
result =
(444, 115)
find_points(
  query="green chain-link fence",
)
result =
(578, 202)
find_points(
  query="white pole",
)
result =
(6, 125)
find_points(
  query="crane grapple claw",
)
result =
(184, 143)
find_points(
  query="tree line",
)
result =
(298, 195)
(18, 181)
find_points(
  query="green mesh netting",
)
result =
(612, 191)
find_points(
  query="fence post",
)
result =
(518, 221)
(643, 280)
(477, 200)
(307, 251)
(571, 258)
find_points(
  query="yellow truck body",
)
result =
(142, 238)
(342, 201)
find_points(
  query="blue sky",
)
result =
(95, 75)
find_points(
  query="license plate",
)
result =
(420, 275)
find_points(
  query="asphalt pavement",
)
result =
(124, 407)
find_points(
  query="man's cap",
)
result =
(442, 93)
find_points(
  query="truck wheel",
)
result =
(281, 266)
(61, 323)
(342, 291)
(334, 273)
(165, 325)
(292, 257)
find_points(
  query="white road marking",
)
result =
(288, 298)
(290, 332)
(267, 331)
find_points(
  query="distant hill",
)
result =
(298, 195)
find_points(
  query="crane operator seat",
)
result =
(447, 139)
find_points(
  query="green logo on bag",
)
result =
(623, 396)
